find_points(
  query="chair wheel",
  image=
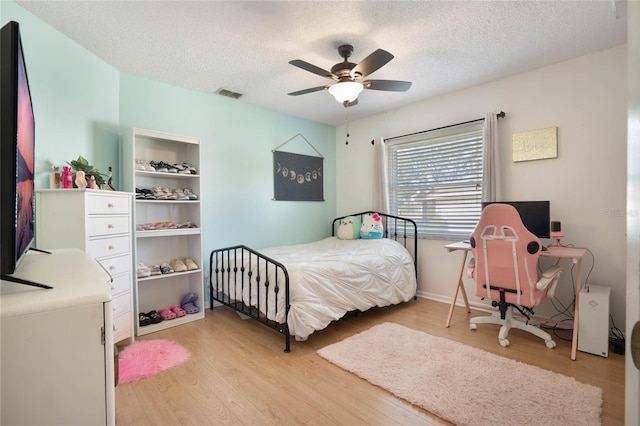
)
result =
(504, 343)
(473, 326)
(550, 344)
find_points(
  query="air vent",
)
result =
(228, 93)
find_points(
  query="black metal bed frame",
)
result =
(239, 268)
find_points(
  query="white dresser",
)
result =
(57, 351)
(99, 223)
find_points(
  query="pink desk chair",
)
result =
(504, 267)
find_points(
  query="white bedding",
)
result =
(331, 277)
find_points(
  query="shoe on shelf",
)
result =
(160, 166)
(143, 319)
(167, 314)
(145, 227)
(158, 193)
(180, 195)
(140, 165)
(166, 268)
(165, 225)
(191, 169)
(177, 309)
(148, 167)
(188, 303)
(155, 270)
(189, 193)
(169, 194)
(147, 194)
(182, 169)
(190, 264)
(143, 270)
(155, 317)
(178, 265)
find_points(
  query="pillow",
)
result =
(371, 228)
(349, 228)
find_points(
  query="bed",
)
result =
(302, 288)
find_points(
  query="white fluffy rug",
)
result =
(464, 385)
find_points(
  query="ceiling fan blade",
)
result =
(371, 63)
(305, 91)
(353, 103)
(312, 68)
(388, 85)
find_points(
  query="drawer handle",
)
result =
(111, 267)
(111, 247)
(113, 287)
(110, 205)
(110, 226)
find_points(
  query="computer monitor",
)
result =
(535, 215)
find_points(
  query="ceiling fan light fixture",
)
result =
(346, 91)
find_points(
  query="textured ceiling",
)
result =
(245, 47)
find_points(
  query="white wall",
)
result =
(632, 375)
(586, 185)
(74, 95)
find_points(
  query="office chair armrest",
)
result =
(549, 276)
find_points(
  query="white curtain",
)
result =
(491, 185)
(380, 178)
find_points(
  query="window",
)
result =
(435, 178)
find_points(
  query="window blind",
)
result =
(436, 180)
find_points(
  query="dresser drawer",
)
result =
(122, 327)
(121, 283)
(113, 246)
(116, 265)
(121, 304)
(107, 225)
(105, 204)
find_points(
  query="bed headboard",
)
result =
(403, 230)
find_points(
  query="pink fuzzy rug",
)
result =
(146, 358)
(464, 385)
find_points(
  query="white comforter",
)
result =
(331, 277)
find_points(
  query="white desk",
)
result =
(575, 254)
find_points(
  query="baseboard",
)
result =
(459, 302)
(486, 308)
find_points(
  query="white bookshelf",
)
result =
(153, 247)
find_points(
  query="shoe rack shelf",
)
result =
(153, 247)
(167, 232)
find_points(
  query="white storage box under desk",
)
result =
(593, 320)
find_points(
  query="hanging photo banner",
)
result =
(297, 177)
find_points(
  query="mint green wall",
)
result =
(82, 105)
(236, 162)
(74, 96)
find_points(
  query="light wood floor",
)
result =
(238, 373)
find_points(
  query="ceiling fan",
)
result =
(348, 76)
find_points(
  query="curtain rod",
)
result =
(501, 114)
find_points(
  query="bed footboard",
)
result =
(251, 284)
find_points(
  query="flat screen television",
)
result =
(535, 215)
(17, 155)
